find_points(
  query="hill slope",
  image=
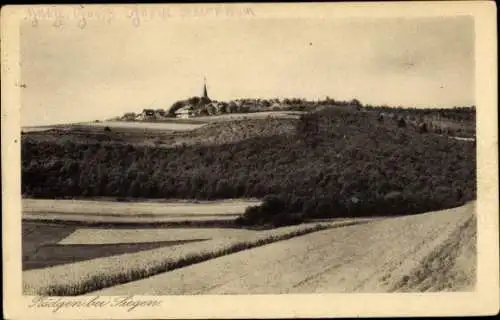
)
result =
(427, 252)
(332, 163)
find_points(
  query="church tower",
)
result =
(205, 93)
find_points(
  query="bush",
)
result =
(273, 210)
(401, 123)
(273, 204)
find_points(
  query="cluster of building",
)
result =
(204, 106)
(146, 115)
(221, 107)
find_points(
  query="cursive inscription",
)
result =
(80, 16)
(128, 303)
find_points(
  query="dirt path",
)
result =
(432, 251)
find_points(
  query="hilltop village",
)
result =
(203, 105)
(422, 119)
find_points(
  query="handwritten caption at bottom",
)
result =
(128, 303)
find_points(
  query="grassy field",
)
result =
(50, 255)
(115, 214)
(170, 125)
(102, 236)
(101, 272)
(46, 244)
(83, 134)
(35, 235)
(451, 265)
(230, 131)
(120, 132)
(427, 252)
(213, 130)
(150, 208)
(252, 115)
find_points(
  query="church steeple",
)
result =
(205, 93)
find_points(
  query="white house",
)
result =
(184, 112)
(146, 115)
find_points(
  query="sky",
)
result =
(104, 70)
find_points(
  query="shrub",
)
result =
(423, 128)
(401, 123)
(273, 204)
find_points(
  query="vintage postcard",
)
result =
(250, 160)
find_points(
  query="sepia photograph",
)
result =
(228, 150)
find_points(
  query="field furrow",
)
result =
(94, 274)
(368, 257)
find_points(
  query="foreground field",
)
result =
(69, 266)
(50, 244)
(427, 252)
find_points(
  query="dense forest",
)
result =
(336, 164)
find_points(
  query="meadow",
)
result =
(430, 252)
(139, 125)
(252, 115)
(135, 213)
(98, 268)
(138, 208)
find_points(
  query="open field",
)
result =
(132, 212)
(219, 130)
(464, 139)
(231, 131)
(102, 236)
(35, 236)
(170, 126)
(46, 244)
(252, 115)
(115, 220)
(105, 271)
(117, 127)
(50, 255)
(426, 252)
(137, 208)
(466, 128)
(36, 129)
